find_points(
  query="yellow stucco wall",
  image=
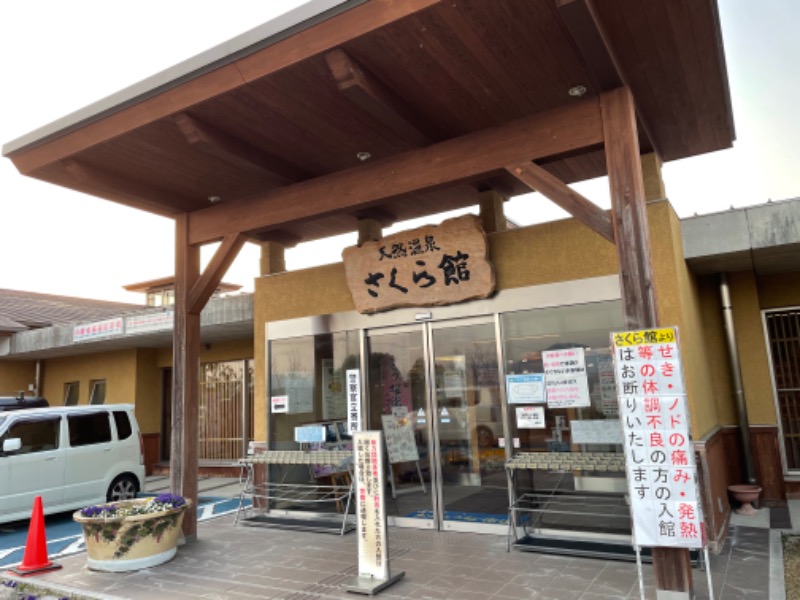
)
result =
(678, 296)
(16, 376)
(779, 291)
(148, 390)
(117, 368)
(752, 346)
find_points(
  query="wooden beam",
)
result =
(204, 287)
(185, 375)
(594, 44)
(313, 41)
(565, 129)
(629, 213)
(671, 566)
(374, 97)
(232, 150)
(588, 213)
(124, 190)
(278, 236)
(376, 213)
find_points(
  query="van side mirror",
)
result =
(12, 445)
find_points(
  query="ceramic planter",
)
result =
(132, 542)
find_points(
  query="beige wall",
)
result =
(117, 368)
(752, 348)
(678, 297)
(148, 390)
(16, 376)
(779, 291)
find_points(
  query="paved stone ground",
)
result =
(241, 562)
(252, 562)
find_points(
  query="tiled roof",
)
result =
(29, 310)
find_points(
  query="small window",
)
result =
(123, 424)
(98, 394)
(154, 298)
(93, 428)
(71, 393)
(39, 435)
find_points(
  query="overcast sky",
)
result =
(59, 56)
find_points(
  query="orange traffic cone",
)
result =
(35, 558)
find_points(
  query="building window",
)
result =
(782, 327)
(71, 390)
(98, 393)
(154, 298)
(162, 297)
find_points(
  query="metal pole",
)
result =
(736, 373)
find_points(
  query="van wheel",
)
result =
(123, 487)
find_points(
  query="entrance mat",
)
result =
(315, 525)
(465, 517)
(488, 501)
(589, 549)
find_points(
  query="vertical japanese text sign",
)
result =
(371, 513)
(353, 400)
(659, 457)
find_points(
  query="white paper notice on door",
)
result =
(565, 378)
(530, 417)
(597, 431)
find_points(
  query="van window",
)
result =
(94, 428)
(37, 435)
(123, 423)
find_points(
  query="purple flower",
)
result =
(172, 499)
(98, 511)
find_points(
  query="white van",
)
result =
(71, 456)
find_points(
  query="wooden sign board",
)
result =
(429, 266)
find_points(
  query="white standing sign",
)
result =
(373, 551)
(661, 469)
(565, 378)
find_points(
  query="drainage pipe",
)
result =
(37, 381)
(736, 372)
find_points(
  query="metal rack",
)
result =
(269, 496)
(529, 509)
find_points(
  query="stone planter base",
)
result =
(134, 542)
(118, 565)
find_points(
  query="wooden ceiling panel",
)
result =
(675, 71)
(430, 72)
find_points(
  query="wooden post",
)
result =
(369, 230)
(273, 258)
(491, 210)
(672, 566)
(185, 375)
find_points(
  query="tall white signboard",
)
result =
(661, 469)
(373, 552)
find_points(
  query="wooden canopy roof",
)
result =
(272, 140)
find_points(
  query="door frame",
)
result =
(550, 295)
(426, 329)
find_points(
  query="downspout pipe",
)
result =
(37, 382)
(736, 373)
